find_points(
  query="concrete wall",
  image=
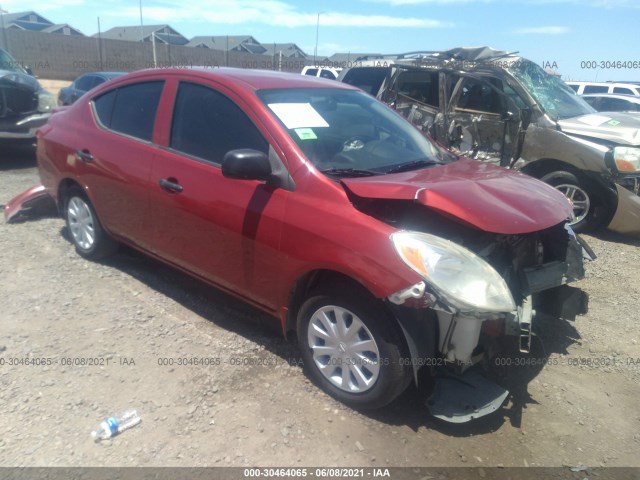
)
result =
(64, 57)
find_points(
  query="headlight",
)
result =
(462, 277)
(46, 101)
(627, 159)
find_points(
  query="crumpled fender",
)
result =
(24, 202)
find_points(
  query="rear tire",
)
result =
(87, 234)
(352, 348)
(590, 208)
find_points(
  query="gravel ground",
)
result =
(106, 333)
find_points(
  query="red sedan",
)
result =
(323, 207)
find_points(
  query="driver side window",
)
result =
(206, 124)
(478, 96)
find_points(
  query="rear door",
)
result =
(114, 157)
(224, 230)
(415, 95)
(483, 119)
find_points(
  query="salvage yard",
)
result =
(216, 384)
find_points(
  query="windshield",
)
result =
(344, 132)
(553, 96)
(7, 62)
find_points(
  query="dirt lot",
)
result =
(134, 316)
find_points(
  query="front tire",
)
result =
(352, 348)
(590, 209)
(87, 234)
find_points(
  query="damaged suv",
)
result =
(504, 109)
(323, 207)
(24, 104)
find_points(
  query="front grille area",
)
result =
(17, 101)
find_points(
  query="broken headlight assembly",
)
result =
(461, 277)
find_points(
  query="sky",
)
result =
(581, 39)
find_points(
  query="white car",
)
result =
(609, 102)
(605, 87)
(322, 72)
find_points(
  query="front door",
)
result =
(224, 230)
(483, 121)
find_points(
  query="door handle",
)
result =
(170, 186)
(84, 155)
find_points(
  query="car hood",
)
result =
(490, 198)
(19, 80)
(617, 127)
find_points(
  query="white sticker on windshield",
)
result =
(594, 120)
(298, 115)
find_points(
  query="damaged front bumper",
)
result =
(25, 128)
(463, 339)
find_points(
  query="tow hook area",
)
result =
(460, 399)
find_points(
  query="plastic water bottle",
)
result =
(114, 425)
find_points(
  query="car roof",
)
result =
(586, 82)
(621, 96)
(252, 79)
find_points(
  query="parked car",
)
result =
(582, 88)
(24, 104)
(503, 109)
(609, 102)
(322, 72)
(321, 206)
(84, 83)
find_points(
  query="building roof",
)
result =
(60, 26)
(351, 57)
(287, 49)
(23, 21)
(162, 33)
(24, 17)
(244, 43)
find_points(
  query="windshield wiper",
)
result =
(349, 172)
(414, 165)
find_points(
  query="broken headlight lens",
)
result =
(464, 279)
(46, 101)
(627, 159)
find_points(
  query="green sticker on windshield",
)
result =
(306, 134)
(613, 123)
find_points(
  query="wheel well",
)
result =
(540, 168)
(314, 280)
(63, 190)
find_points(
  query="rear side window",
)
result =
(327, 74)
(312, 71)
(84, 83)
(206, 124)
(419, 85)
(616, 105)
(623, 90)
(368, 79)
(575, 87)
(595, 89)
(131, 109)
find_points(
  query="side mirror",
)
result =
(29, 71)
(246, 164)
